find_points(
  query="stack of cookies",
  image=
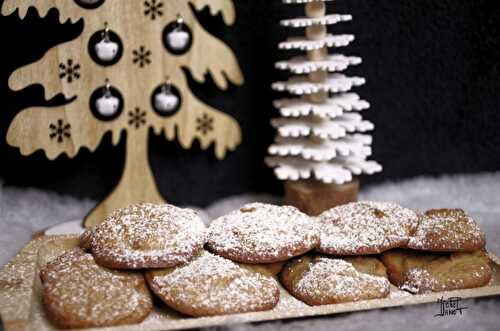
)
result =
(365, 246)
(445, 252)
(349, 253)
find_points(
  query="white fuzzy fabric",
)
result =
(26, 211)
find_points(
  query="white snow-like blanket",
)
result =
(26, 211)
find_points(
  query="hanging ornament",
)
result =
(166, 99)
(106, 102)
(107, 105)
(177, 37)
(105, 47)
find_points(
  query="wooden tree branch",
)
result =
(145, 60)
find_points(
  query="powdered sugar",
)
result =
(260, 233)
(81, 293)
(331, 280)
(419, 272)
(418, 280)
(447, 230)
(211, 285)
(16, 283)
(365, 228)
(147, 236)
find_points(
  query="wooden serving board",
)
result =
(21, 305)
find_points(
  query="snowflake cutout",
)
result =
(137, 88)
(153, 8)
(205, 124)
(137, 118)
(60, 130)
(70, 71)
(142, 56)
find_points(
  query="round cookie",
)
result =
(364, 228)
(212, 285)
(321, 280)
(447, 230)
(419, 272)
(146, 236)
(262, 233)
(78, 293)
(398, 261)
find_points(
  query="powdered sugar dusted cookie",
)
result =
(212, 285)
(263, 233)
(419, 272)
(447, 230)
(146, 236)
(362, 228)
(78, 293)
(320, 280)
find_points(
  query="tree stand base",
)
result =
(313, 197)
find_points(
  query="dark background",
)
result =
(433, 82)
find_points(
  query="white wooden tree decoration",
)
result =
(124, 75)
(321, 135)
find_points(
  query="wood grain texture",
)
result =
(314, 197)
(138, 30)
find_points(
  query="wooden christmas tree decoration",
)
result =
(321, 141)
(124, 75)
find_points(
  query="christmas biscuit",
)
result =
(262, 233)
(78, 293)
(363, 228)
(321, 280)
(447, 230)
(419, 272)
(146, 236)
(212, 285)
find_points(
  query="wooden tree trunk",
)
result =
(137, 183)
(314, 197)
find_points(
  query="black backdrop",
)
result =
(433, 82)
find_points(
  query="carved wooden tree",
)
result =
(320, 136)
(142, 67)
